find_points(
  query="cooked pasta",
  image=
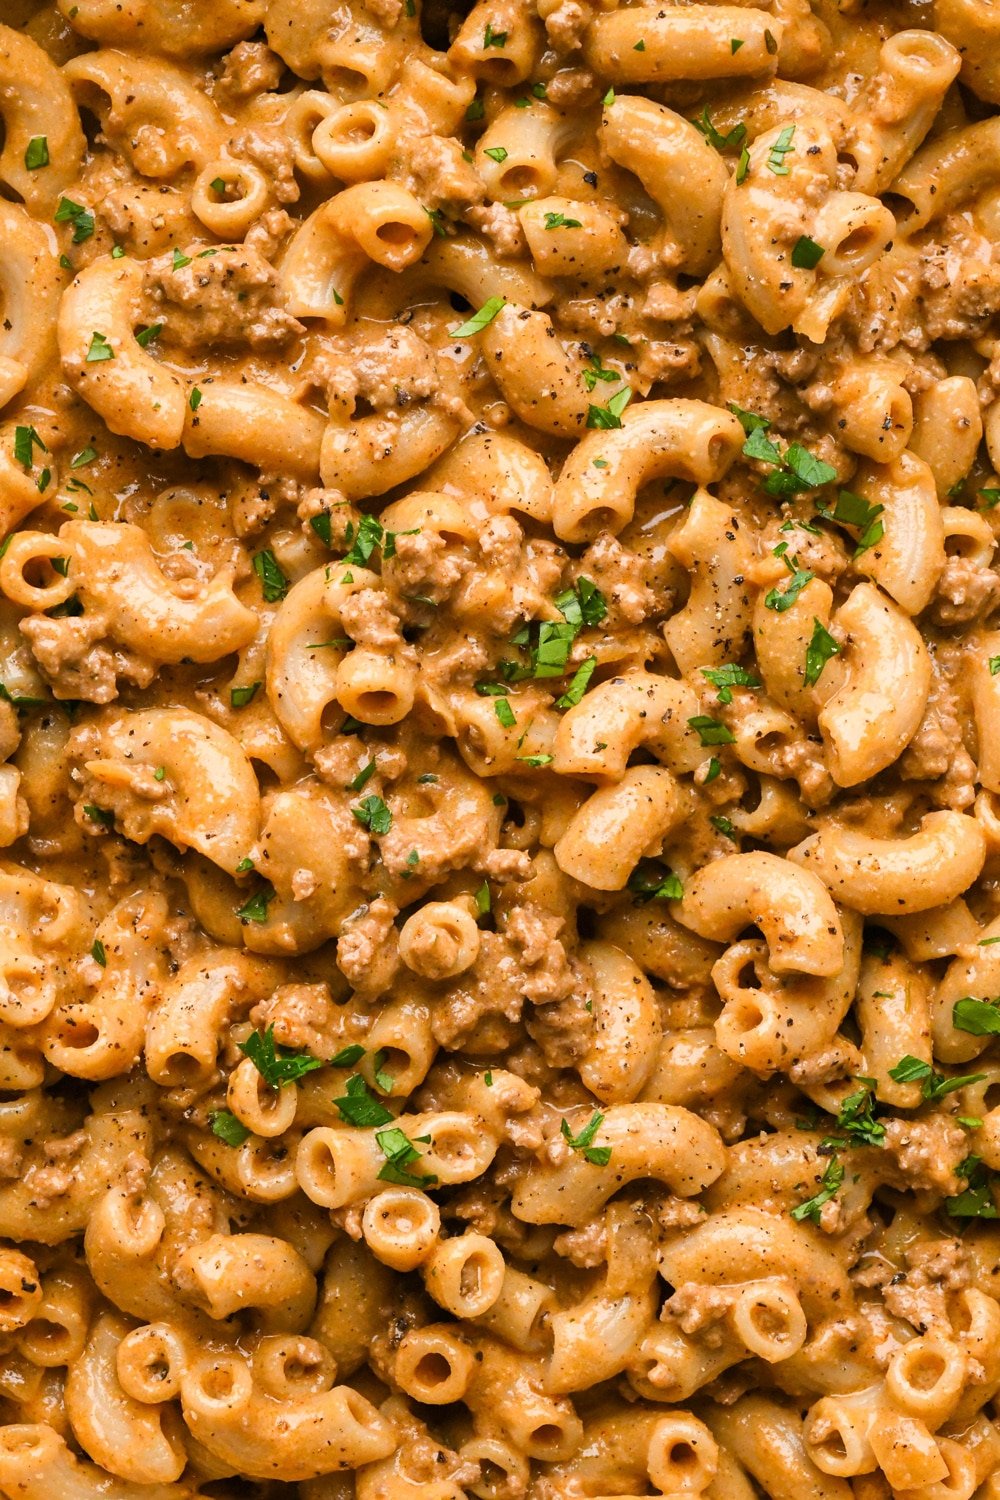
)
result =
(499, 750)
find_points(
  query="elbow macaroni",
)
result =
(499, 750)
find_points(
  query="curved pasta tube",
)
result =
(770, 1022)
(765, 215)
(718, 549)
(36, 1464)
(947, 171)
(207, 798)
(354, 51)
(305, 650)
(540, 378)
(896, 876)
(745, 1244)
(627, 1031)
(116, 576)
(136, 395)
(165, 27)
(230, 1272)
(517, 156)
(497, 468)
(458, 265)
(339, 1167)
(191, 1010)
(35, 101)
(298, 1438)
(607, 837)
(101, 1037)
(592, 246)
(596, 737)
(150, 110)
(879, 687)
(975, 31)
(108, 1139)
(909, 559)
(795, 913)
(255, 423)
(872, 411)
(683, 439)
(947, 429)
(375, 221)
(660, 1141)
(681, 172)
(304, 827)
(596, 1338)
(31, 285)
(681, 42)
(371, 455)
(130, 1438)
(916, 69)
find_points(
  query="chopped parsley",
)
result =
(782, 599)
(728, 142)
(598, 1156)
(363, 777)
(26, 440)
(273, 582)
(610, 416)
(400, 1154)
(98, 952)
(81, 219)
(497, 154)
(483, 900)
(818, 652)
(776, 156)
(358, 1105)
(711, 731)
(578, 684)
(37, 153)
(484, 317)
(277, 1065)
(145, 336)
(933, 1085)
(649, 883)
(493, 38)
(560, 221)
(228, 1128)
(373, 814)
(99, 350)
(978, 1017)
(255, 909)
(976, 1200)
(726, 677)
(806, 254)
(239, 697)
(348, 1056)
(829, 1187)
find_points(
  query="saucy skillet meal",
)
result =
(499, 750)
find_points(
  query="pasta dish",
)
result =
(499, 750)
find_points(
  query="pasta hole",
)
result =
(470, 1279)
(547, 1435)
(432, 1370)
(517, 182)
(902, 209)
(925, 1372)
(345, 80)
(78, 1032)
(682, 1455)
(373, 706)
(394, 233)
(858, 243)
(47, 1335)
(602, 518)
(499, 70)
(181, 1070)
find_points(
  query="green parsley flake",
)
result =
(598, 1156)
